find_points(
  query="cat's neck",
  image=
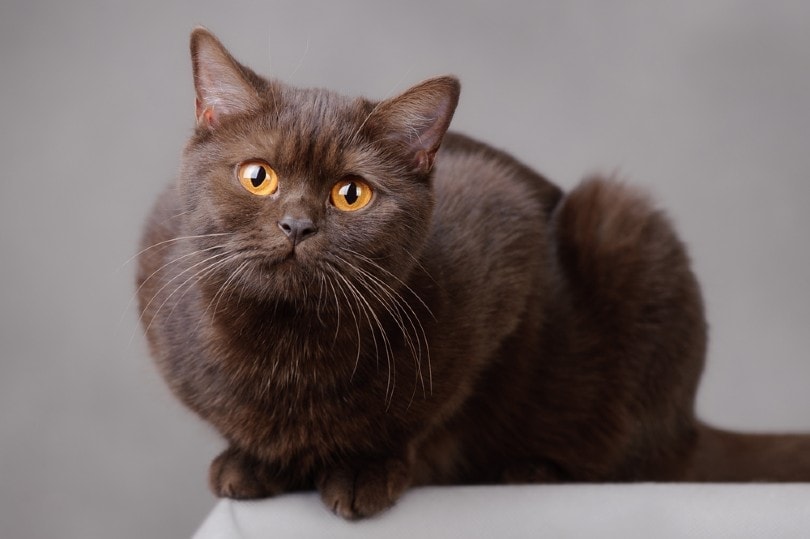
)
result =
(330, 332)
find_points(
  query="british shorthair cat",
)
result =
(360, 301)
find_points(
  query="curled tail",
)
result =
(639, 322)
(722, 456)
(615, 244)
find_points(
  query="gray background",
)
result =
(706, 104)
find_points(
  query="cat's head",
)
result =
(293, 190)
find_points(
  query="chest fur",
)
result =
(286, 395)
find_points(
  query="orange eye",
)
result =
(350, 194)
(258, 178)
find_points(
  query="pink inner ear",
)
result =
(208, 116)
(427, 142)
(204, 115)
(419, 119)
(423, 160)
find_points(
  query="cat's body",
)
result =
(472, 323)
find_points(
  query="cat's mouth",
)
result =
(288, 261)
(278, 264)
(292, 255)
(285, 260)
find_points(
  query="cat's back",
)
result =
(487, 202)
(475, 182)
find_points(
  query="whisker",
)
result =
(245, 265)
(318, 309)
(411, 315)
(197, 277)
(392, 306)
(190, 268)
(356, 326)
(161, 268)
(400, 315)
(180, 214)
(164, 242)
(382, 269)
(337, 305)
(391, 384)
(383, 293)
(363, 124)
(405, 286)
(300, 62)
(221, 292)
(377, 106)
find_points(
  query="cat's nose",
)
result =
(297, 230)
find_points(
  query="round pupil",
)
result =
(257, 176)
(350, 192)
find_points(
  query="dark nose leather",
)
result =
(297, 230)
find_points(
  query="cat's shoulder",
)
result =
(465, 161)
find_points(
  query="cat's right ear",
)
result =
(418, 119)
(223, 86)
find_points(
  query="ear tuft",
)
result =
(419, 118)
(221, 83)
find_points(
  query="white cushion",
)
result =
(642, 510)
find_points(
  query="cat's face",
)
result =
(299, 193)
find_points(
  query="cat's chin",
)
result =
(287, 277)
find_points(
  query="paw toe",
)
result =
(363, 492)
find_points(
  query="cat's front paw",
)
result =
(235, 474)
(364, 490)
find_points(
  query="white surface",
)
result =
(622, 511)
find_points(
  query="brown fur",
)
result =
(474, 324)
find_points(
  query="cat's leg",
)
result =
(364, 488)
(235, 474)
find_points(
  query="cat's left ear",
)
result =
(419, 118)
(223, 85)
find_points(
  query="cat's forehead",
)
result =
(313, 106)
(304, 128)
(312, 113)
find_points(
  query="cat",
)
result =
(360, 301)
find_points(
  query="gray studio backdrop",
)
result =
(706, 104)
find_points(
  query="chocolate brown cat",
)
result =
(360, 302)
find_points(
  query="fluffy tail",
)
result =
(722, 456)
(630, 274)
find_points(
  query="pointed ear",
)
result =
(223, 86)
(419, 118)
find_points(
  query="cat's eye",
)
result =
(350, 194)
(258, 178)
